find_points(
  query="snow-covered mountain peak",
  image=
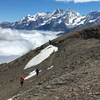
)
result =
(29, 18)
(94, 13)
(40, 14)
(93, 17)
(59, 16)
(26, 19)
(58, 20)
(72, 13)
(68, 13)
(58, 11)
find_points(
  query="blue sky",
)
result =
(12, 10)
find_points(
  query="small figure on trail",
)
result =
(37, 71)
(50, 42)
(21, 81)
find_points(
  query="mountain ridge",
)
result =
(63, 20)
(74, 75)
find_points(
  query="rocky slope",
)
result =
(75, 75)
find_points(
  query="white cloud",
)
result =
(78, 1)
(14, 43)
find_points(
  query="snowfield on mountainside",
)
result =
(44, 54)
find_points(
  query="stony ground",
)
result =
(75, 75)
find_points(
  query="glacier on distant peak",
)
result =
(58, 20)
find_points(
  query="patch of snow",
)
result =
(44, 54)
(10, 99)
(31, 74)
(92, 20)
(41, 14)
(44, 22)
(50, 67)
(60, 21)
(28, 18)
(76, 21)
(31, 19)
(79, 21)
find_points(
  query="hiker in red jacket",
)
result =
(21, 81)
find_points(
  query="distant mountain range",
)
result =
(58, 20)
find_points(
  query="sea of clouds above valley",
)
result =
(15, 43)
